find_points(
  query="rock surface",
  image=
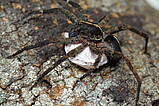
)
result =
(114, 89)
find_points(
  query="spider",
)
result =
(86, 44)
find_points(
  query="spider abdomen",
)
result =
(86, 58)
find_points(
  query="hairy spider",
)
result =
(86, 44)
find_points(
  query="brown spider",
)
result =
(87, 39)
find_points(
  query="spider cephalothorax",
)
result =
(87, 45)
(90, 31)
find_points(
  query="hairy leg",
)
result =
(125, 27)
(82, 13)
(61, 40)
(104, 21)
(39, 44)
(67, 13)
(117, 54)
(72, 53)
(100, 52)
(137, 78)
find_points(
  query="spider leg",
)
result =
(104, 21)
(67, 13)
(125, 27)
(109, 52)
(137, 78)
(117, 54)
(81, 11)
(89, 71)
(46, 42)
(72, 53)
(99, 51)
(39, 44)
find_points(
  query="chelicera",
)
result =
(86, 44)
